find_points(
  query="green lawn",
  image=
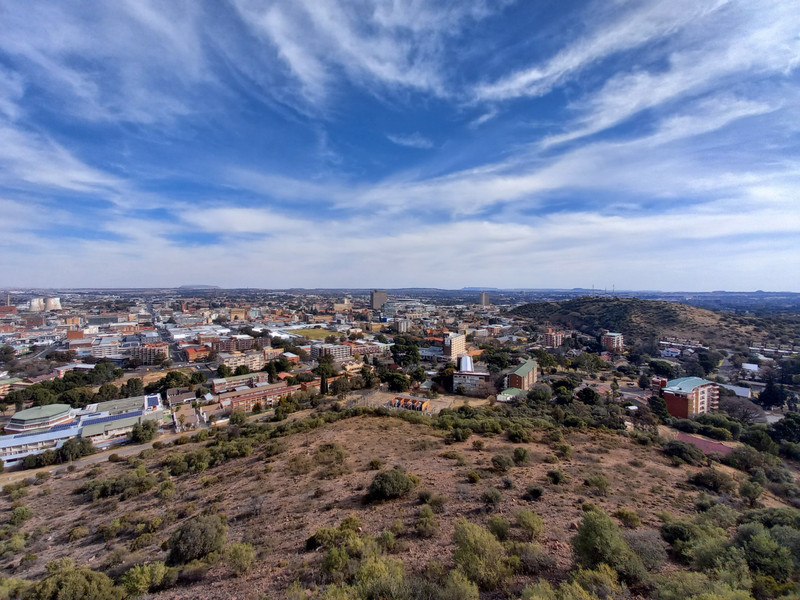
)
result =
(312, 333)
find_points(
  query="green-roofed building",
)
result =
(524, 376)
(508, 394)
(40, 418)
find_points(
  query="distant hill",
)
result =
(199, 287)
(644, 320)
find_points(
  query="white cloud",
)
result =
(627, 30)
(412, 140)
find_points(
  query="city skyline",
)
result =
(400, 144)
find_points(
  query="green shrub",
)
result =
(491, 497)
(556, 477)
(599, 541)
(166, 491)
(518, 434)
(375, 464)
(629, 518)
(391, 484)
(685, 452)
(713, 480)
(141, 579)
(78, 532)
(458, 587)
(479, 555)
(502, 463)
(597, 481)
(530, 523)
(197, 538)
(522, 456)
(473, 477)
(66, 580)
(534, 492)
(426, 524)
(532, 559)
(19, 515)
(478, 445)
(239, 558)
(750, 491)
(648, 546)
(499, 527)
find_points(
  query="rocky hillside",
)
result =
(643, 320)
(318, 509)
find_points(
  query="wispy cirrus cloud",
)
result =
(411, 140)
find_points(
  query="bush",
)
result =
(144, 578)
(533, 560)
(19, 515)
(238, 417)
(599, 541)
(196, 538)
(426, 524)
(499, 527)
(78, 532)
(458, 587)
(598, 481)
(144, 432)
(534, 492)
(491, 498)
(648, 546)
(391, 484)
(518, 434)
(530, 523)
(688, 453)
(502, 463)
(65, 579)
(629, 518)
(473, 477)
(479, 556)
(240, 558)
(522, 456)
(750, 491)
(556, 477)
(713, 480)
(375, 464)
(478, 445)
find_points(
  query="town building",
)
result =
(553, 339)
(484, 299)
(455, 344)
(40, 418)
(377, 298)
(524, 376)
(613, 342)
(150, 354)
(336, 351)
(687, 396)
(252, 360)
(472, 383)
(265, 394)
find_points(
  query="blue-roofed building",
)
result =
(689, 396)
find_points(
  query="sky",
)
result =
(397, 143)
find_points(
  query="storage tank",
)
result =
(52, 303)
(37, 304)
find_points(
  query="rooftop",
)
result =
(685, 384)
(41, 412)
(525, 368)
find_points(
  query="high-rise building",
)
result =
(377, 298)
(553, 339)
(613, 342)
(484, 299)
(455, 344)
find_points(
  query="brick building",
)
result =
(687, 396)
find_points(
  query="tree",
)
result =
(132, 387)
(750, 491)
(144, 432)
(67, 581)
(773, 395)
(242, 370)
(6, 353)
(599, 540)
(238, 417)
(340, 387)
(659, 407)
(224, 371)
(197, 538)
(644, 382)
(198, 378)
(391, 484)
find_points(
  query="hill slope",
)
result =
(643, 320)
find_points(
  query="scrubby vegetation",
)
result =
(565, 505)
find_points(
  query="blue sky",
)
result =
(389, 143)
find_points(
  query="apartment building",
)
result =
(687, 396)
(524, 376)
